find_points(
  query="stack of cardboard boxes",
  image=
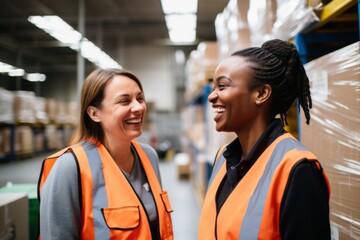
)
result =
(334, 133)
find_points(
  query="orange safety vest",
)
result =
(119, 213)
(252, 210)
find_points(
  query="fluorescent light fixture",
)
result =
(89, 50)
(182, 35)
(5, 68)
(63, 32)
(180, 18)
(57, 28)
(105, 61)
(181, 27)
(179, 6)
(180, 21)
(35, 77)
(95, 55)
(16, 72)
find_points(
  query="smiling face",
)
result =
(122, 110)
(234, 104)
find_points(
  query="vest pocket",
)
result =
(165, 198)
(122, 218)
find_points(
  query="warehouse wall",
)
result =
(153, 65)
(61, 87)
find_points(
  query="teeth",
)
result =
(134, 121)
(219, 110)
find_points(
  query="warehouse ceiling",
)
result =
(110, 24)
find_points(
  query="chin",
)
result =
(138, 134)
(219, 129)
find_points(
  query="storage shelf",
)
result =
(335, 8)
(332, 11)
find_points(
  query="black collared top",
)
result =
(304, 210)
(236, 169)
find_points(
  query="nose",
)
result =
(138, 106)
(213, 96)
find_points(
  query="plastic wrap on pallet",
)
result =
(24, 143)
(232, 27)
(261, 18)
(61, 113)
(192, 75)
(292, 16)
(200, 67)
(237, 24)
(54, 137)
(6, 106)
(222, 35)
(24, 103)
(73, 112)
(40, 110)
(5, 145)
(334, 133)
(209, 54)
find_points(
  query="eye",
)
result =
(141, 99)
(124, 101)
(221, 86)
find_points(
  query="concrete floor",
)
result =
(186, 213)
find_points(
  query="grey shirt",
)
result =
(60, 212)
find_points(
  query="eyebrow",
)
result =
(222, 77)
(127, 94)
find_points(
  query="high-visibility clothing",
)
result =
(111, 209)
(252, 210)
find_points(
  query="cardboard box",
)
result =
(334, 134)
(30, 190)
(6, 106)
(14, 216)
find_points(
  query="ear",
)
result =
(263, 94)
(93, 113)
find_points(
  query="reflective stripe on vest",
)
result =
(110, 207)
(252, 210)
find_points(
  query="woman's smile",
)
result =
(219, 112)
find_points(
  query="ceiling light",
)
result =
(35, 77)
(63, 32)
(180, 18)
(16, 72)
(180, 21)
(182, 35)
(57, 28)
(5, 68)
(181, 27)
(179, 6)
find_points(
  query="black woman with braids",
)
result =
(265, 184)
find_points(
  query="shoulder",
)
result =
(63, 176)
(146, 146)
(64, 166)
(308, 174)
(150, 151)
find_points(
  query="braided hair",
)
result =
(278, 64)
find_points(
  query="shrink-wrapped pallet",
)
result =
(6, 106)
(334, 133)
(24, 102)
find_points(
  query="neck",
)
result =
(250, 135)
(121, 154)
